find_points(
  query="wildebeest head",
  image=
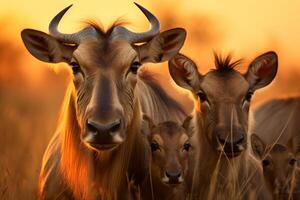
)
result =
(105, 66)
(279, 165)
(224, 95)
(171, 147)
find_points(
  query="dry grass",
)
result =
(28, 120)
(29, 110)
(28, 115)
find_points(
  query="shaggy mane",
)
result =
(163, 98)
(224, 64)
(101, 30)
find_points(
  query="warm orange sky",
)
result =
(245, 26)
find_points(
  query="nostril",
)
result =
(167, 175)
(115, 126)
(95, 127)
(233, 142)
(221, 140)
(91, 127)
(173, 175)
(240, 140)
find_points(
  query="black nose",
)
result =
(231, 141)
(173, 174)
(98, 128)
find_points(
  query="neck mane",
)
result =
(156, 102)
(90, 173)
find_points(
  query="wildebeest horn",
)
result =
(68, 38)
(121, 32)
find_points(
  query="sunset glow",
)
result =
(32, 92)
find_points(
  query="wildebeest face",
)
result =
(105, 81)
(171, 148)
(224, 95)
(105, 67)
(279, 165)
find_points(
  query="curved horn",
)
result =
(68, 38)
(121, 32)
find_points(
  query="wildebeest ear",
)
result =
(185, 73)
(262, 70)
(187, 123)
(258, 146)
(45, 47)
(163, 46)
(147, 125)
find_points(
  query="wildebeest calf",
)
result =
(171, 148)
(281, 174)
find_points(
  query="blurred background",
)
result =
(31, 92)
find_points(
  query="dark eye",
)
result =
(292, 162)
(134, 67)
(187, 146)
(202, 96)
(75, 67)
(154, 146)
(248, 96)
(266, 163)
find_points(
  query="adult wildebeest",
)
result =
(226, 170)
(282, 176)
(277, 121)
(98, 148)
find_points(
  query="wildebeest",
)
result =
(277, 121)
(171, 149)
(98, 146)
(282, 176)
(226, 170)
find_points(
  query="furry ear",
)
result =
(147, 125)
(258, 146)
(45, 47)
(185, 73)
(262, 70)
(163, 46)
(187, 124)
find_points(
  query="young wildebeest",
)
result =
(98, 146)
(277, 121)
(171, 151)
(282, 176)
(225, 169)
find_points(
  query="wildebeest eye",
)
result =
(292, 162)
(266, 163)
(75, 67)
(202, 96)
(154, 146)
(248, 96)
(187, 146)
(135, 66)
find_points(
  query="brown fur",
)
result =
(281, 173)
(277, 121)
(219, 177)
(75, 156)
(224, 168)
(87, 172)
(167, 109)
(98, 150)
(170, 157)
